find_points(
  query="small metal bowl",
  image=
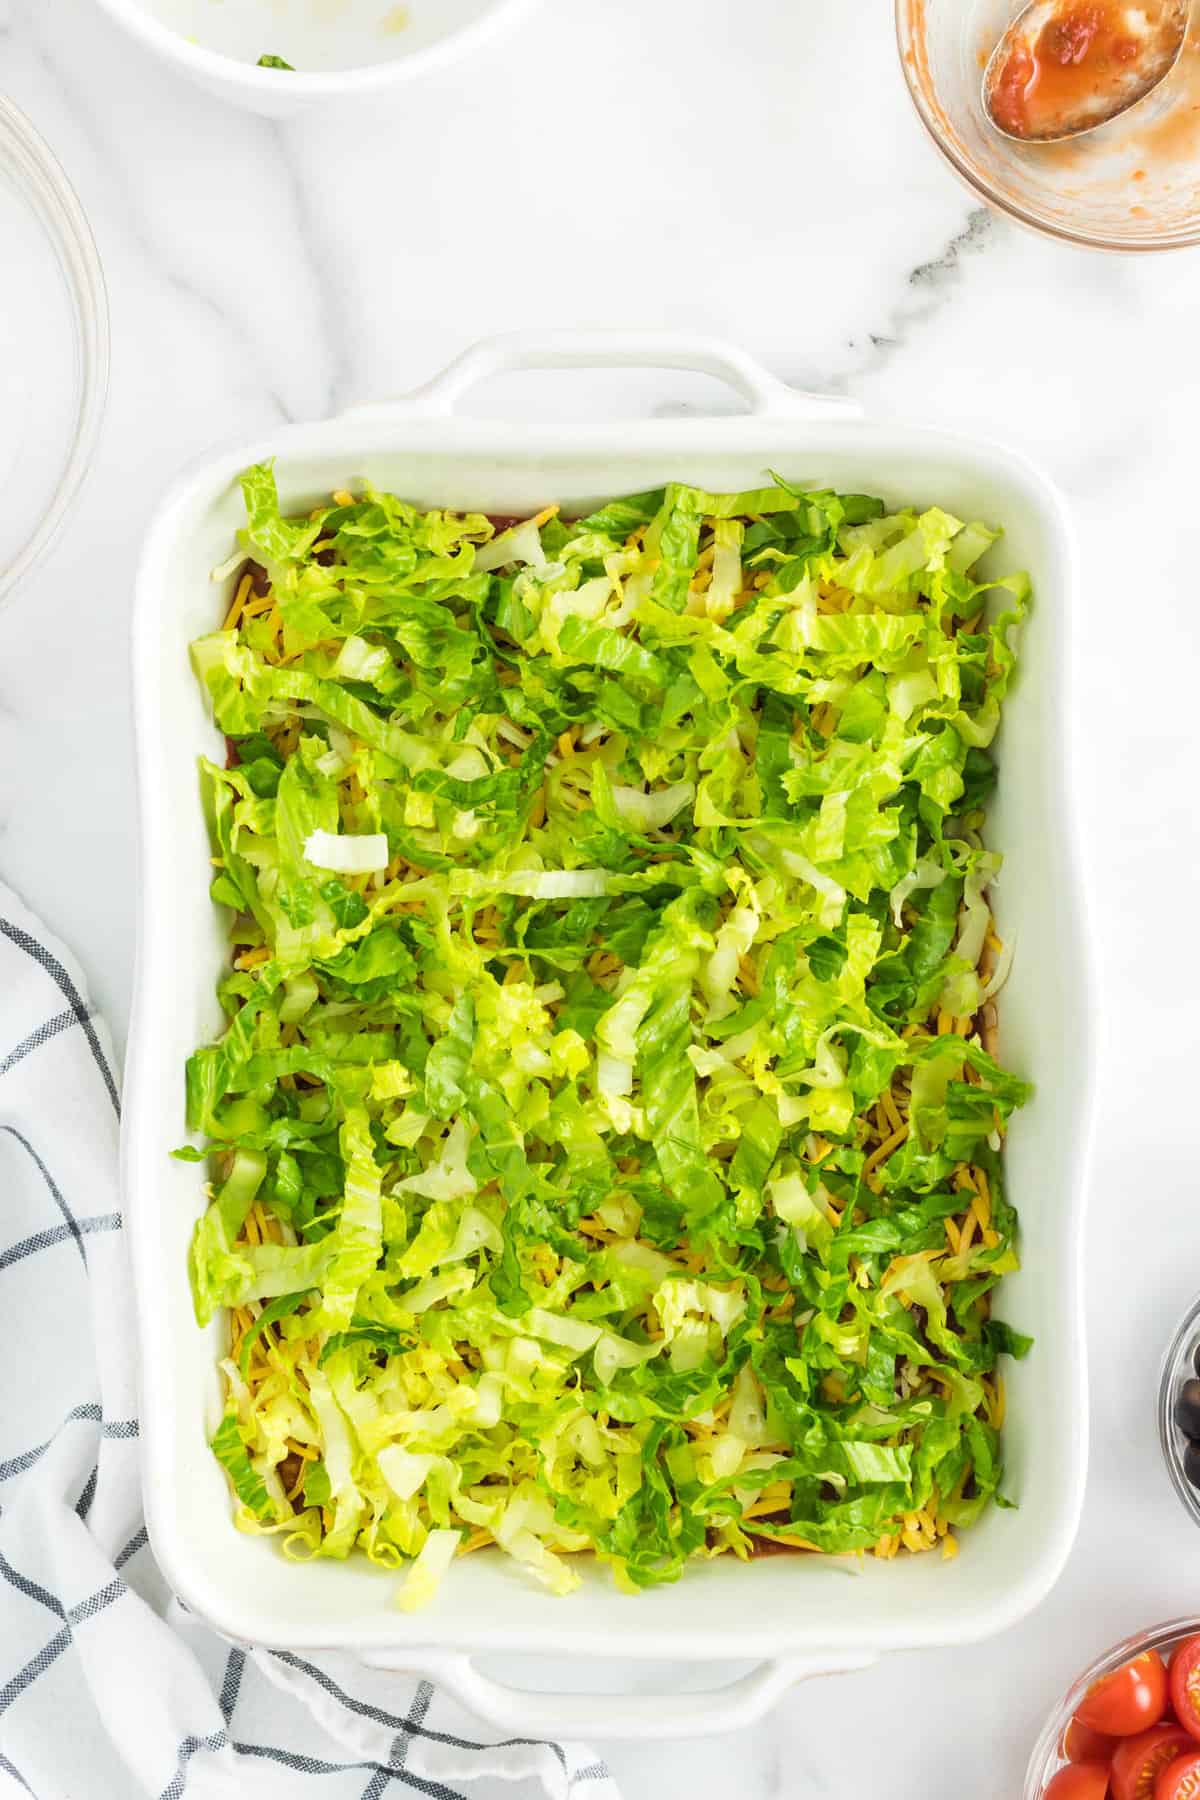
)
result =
(1178, 1365)
(1047, 1758)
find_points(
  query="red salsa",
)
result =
(1083, 51)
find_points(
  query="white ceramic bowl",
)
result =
(338, 49)
(790, 1616)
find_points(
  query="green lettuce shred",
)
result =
(619, 1170)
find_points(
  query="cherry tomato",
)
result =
(1180, 1780)
(1082, 1744)
(1129, 1700)
(1078, 1781)
(1185, 1684)
(1137, 1760)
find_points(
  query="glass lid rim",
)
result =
(41, 182)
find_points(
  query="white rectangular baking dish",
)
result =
(791, 1616)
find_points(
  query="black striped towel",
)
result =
(108, 1689)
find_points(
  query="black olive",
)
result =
(1187, 1408)
(1191, 1463)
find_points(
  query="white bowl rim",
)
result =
(249, 78)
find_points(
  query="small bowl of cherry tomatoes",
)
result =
(1130, 1727)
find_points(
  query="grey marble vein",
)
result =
(930, 287)
(330, 313)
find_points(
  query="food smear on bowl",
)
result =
(1167, 138)
(1075, 64)
(607, 1133)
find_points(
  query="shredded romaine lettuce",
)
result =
(607, 1130)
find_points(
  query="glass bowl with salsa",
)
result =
(1130, 185)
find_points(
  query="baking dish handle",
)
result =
(765, 395)
(629, 1716)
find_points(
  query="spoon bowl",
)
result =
(1065, 67)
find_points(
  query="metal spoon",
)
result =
(1088, 96)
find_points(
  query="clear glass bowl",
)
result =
(1131, 185)
(1047, 1756)
(53, 347)
(1178, 1365)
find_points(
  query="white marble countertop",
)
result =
(679, 164)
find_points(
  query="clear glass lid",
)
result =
(53, 347)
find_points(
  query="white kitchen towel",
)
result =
(109, 1690)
